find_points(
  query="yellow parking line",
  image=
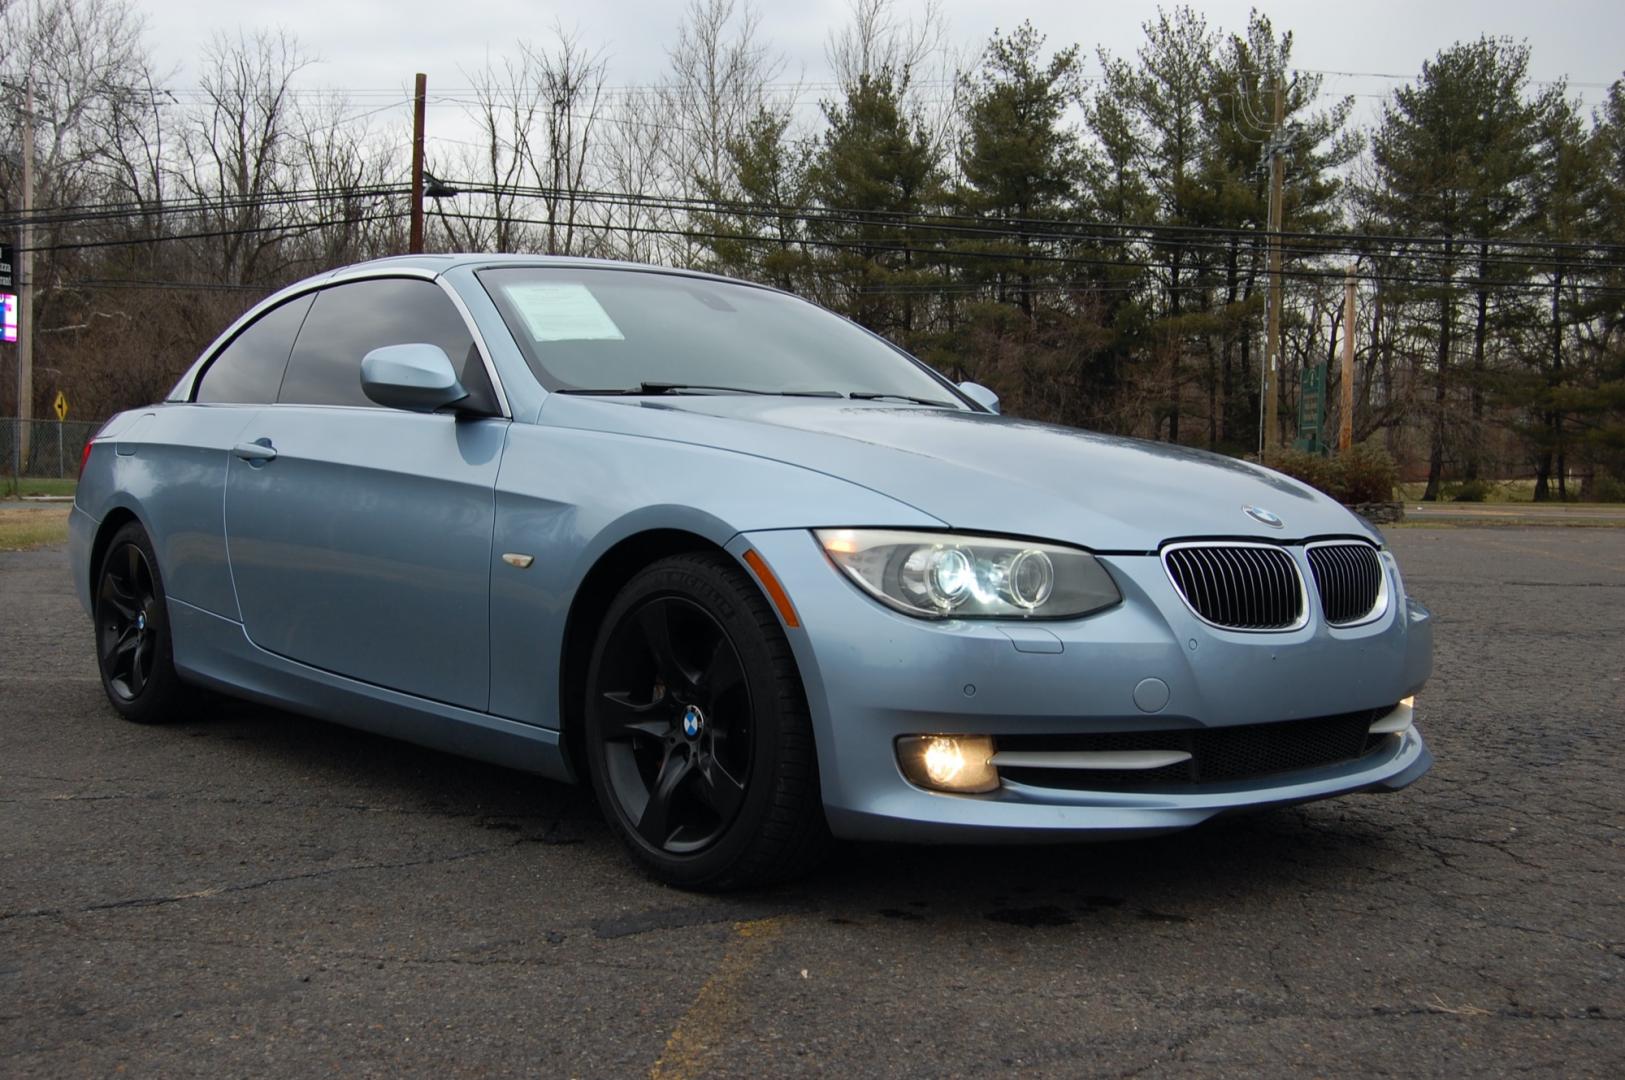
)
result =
(696, 1041)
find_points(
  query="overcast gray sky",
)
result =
(377, 44)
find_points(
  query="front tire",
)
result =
(134, 650)
(698, 741)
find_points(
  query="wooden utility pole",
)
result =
(25, 286)
(415, 241)
(1345, 419)
(1272, 347)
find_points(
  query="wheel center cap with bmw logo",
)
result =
(1263, 516)
(693, 721)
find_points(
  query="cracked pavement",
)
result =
(252, 892)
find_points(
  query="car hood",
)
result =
(976, 471)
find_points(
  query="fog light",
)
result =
(958, 763)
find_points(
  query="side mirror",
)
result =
(980, 394)
(418, 378)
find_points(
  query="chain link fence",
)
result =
(45, 448)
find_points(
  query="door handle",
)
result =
(257, 452)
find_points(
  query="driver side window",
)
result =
(350, 320)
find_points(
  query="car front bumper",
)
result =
(873, 674)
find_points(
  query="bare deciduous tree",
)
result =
(240, 149)
(570, 85)
(506, 103)
(637, 159)
(721, 73)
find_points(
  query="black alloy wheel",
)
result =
(674, 720)
(697, 737)
(126, 634)
(133, 649)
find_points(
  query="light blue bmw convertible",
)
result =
(755, 574)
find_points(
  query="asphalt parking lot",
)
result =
(253, 892)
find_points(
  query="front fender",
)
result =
(566, 496)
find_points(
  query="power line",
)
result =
(947, 257)
(1175, 239)
(1394, 77)
(205, 204)
(1172, 237)
(1327, 242)
(293, 229)
(186, 286)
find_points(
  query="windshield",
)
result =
(624, 331)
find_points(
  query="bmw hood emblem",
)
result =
(1263, 516)
(693, 721)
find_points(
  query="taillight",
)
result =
(84, 457)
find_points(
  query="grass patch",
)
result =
(1505, 492)
(36, 485)
(40, 486)
(24, 530)
(1499, 522)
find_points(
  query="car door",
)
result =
(172, 458)
(360, 536)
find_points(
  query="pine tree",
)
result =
(758, 233)
(1018, 157)
(1168, 92)
(1598, 406)
(1116, 189)
(1562, 191)
(875, 170)
(1238, 111)
(1452, 153)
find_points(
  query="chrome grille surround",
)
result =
(1351, 580)
(1238, 585)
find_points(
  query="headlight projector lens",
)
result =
(1029, 579)
(950, 577)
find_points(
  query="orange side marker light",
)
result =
(775, 591)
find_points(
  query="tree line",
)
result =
(1085, 232)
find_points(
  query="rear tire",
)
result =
(134, 651)
(698, 742)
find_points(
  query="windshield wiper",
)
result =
(875, 395)
(700, 388)
(684, 388)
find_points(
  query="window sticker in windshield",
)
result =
(562, 311)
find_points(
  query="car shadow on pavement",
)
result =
(330, 757)
(1160, 880)
(1264, 856)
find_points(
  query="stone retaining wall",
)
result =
(1383, 513)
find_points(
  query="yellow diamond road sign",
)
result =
(60, 405)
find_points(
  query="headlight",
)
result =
(954, 576)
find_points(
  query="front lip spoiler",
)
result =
(1395, 721)
(1021, 814)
